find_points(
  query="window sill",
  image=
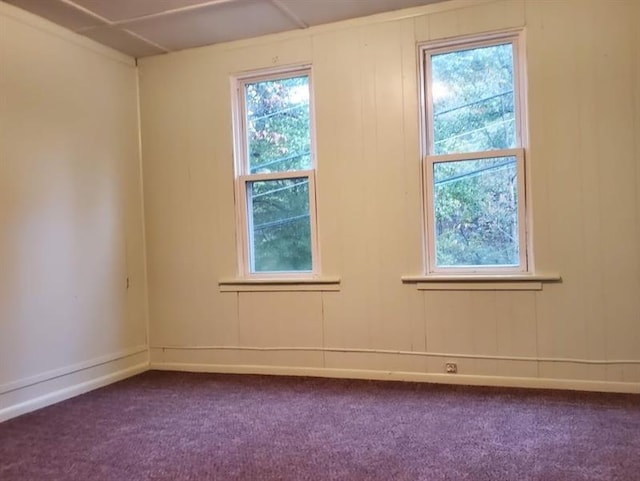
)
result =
(287, 284)
(481, 282)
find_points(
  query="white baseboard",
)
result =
(76, 389)
(458, 379)
(57, 395)
(71, 369)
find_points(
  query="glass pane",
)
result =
(473, 100)
(278, 133)
(279, 225)
(476, 212)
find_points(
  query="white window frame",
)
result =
(426, 51)
(243, 175)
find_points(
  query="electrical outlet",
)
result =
(451, 368)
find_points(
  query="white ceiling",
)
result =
(148, 27)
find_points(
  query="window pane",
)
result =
(473, 100)
(278, 134)
(279, 225)
(476, 212)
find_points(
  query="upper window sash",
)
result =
(243, 164)
(431, 89)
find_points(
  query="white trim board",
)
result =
(352, 350)
(64, 371)
(496, 381)
(70, 391)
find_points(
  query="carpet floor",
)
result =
(185, 426)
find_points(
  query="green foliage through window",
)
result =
(476, 212)
(278, 134)
(473, 100)
(280, 228)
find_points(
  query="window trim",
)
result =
(243, 175)
(425, 51)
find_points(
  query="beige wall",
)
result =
(584, 170)
(70, 215)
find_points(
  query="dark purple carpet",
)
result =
(181, 426)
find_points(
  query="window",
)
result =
(275, 174)
(474, 156)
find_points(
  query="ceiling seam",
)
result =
(86, 11)
(289, 13)
(146, 40)
(111, 24)
(172, 11)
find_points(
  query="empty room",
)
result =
(362, 240)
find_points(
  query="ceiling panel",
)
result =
(58, 12)
(325, 11)
(115, 10)
(213, 24)
(178, 24)
(122, 41)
